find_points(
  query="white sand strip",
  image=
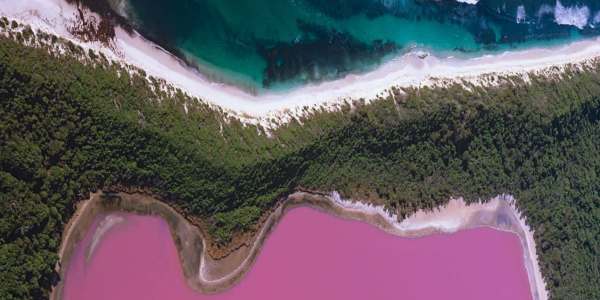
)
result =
(409, 70)
(109, 222)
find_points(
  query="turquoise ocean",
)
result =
(263, 45)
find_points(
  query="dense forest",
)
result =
(76, 122)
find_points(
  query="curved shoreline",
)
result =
(209, 275)
(271, 109)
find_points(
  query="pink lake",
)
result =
(310, 255)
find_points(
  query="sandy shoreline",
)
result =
(499, 213)
(209, 275)
(410, 70)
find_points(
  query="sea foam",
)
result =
(596, 19)
(521, 15)
(577, 16)
(472, 2)
(545, 9)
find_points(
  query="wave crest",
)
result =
(521, 15)
(577, 16)
(472, 2)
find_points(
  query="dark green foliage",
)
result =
(68, 128)
(237, 219)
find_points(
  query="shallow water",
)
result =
(310, 255)
(281, 43)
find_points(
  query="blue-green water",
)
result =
(260, 44)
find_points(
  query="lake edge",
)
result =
(217, 275)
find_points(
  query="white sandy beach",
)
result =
(409, 70)
(108, 223)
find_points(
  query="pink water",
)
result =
(310, 255)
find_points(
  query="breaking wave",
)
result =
(472, 2)
(521, 15)
(577, 16)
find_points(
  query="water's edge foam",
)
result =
(209, 275)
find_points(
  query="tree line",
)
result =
(75, 123)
